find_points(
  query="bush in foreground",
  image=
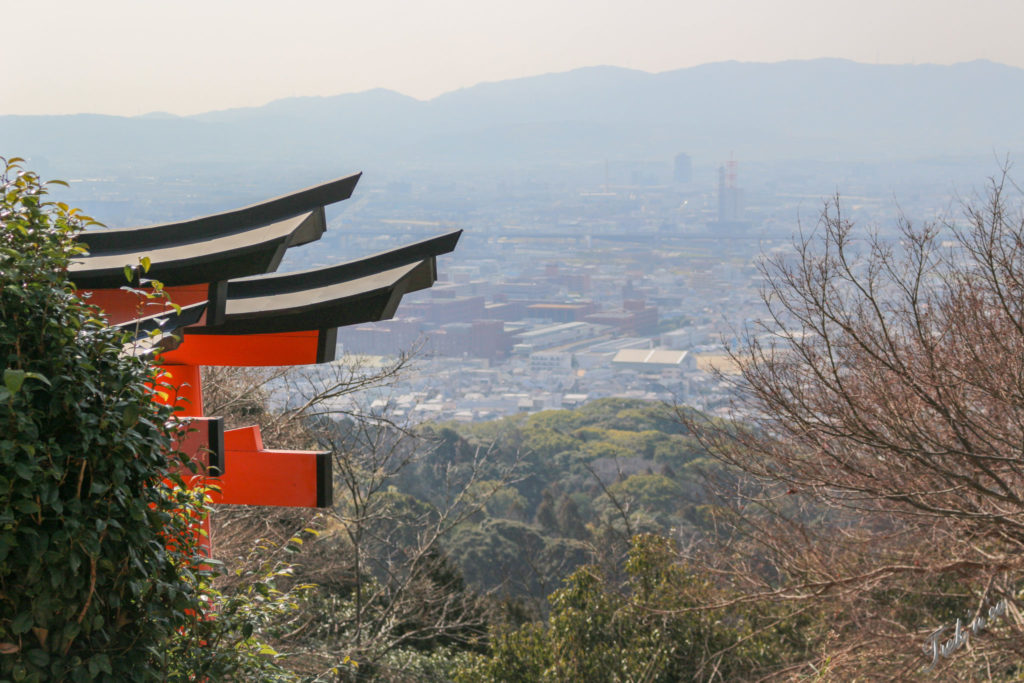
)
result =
(90, 588)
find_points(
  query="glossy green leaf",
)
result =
(13, 379)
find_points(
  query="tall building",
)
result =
(682, 169)
(730, 197)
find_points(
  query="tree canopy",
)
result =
(884, 390)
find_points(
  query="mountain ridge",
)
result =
(825, 109)
(581, 70)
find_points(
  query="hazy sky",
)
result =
(186, 56)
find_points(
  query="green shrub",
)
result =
(88, 587)
(657, 625)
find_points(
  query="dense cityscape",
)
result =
(627, 279)
(563, 292)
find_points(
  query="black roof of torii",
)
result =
(236, 251)
(247, 241)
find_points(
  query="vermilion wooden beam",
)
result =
(180, 386)
(256, 476)
(120, 305)
(252, 350)
(251, 474)
(203, 442)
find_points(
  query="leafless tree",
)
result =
(385, 583)
(882, 436)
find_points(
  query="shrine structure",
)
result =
(235, 311)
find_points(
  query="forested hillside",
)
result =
(603, 543)
(494, 551)
(582, 483)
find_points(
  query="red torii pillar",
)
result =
(237, 312)
(252, 474)
(249, 474)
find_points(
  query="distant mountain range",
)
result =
(824, 109)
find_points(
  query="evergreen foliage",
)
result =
(88, 587)
(661, 626)
(100, 578)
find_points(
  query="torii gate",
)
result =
(235, 313)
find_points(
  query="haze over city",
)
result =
(129, 58)
(571, 141)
